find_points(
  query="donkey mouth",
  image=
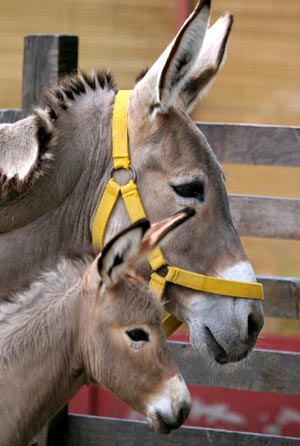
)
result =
(220, 355)
(158, 424)
(162, 425)
(165, 427)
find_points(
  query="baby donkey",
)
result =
(89, 322)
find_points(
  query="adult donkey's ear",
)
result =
(25, 152)
(209, 60)
(161, 86)
(133, 244)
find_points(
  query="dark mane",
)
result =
(76, 84)
(56, 99)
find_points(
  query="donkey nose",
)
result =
(179, 414)
(169, 408)
(184, 412)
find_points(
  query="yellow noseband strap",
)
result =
(129, 193)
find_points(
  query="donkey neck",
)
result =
(57, 213)
(78, 152)
(39, 352)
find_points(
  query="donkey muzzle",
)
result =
(168, 409)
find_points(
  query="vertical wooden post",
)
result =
(46, 57)
(58, 429)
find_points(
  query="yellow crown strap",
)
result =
(120, 130)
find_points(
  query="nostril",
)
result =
(184, 412)
(254, 325)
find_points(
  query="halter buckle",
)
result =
(131, 169)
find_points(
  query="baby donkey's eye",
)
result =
(137, 335)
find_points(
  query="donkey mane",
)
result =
(73, 85)
(62, 97)
(42, 125)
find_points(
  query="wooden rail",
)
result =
(48, 57)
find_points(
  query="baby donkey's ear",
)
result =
(118, 254)
(135, 243)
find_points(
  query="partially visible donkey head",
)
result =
(176, 167)
(122, 343)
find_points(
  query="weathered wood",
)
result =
(263, 371)
(254, 144)
(13, 115)
(46, 57)
(266, 216)
(282, 296)
(94, 431)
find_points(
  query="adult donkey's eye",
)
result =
(137, 334)
(190, 190)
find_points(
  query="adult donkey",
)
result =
(56, 163)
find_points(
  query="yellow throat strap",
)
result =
(129, 193)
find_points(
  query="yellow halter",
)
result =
(135, 209)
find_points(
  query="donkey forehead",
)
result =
(131, 301)
(178, 140)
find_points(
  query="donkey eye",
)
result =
(137, 334)
(190, 190)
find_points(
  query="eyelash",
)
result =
(190, 190)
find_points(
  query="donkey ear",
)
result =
(133, 244)
(117, 255)
(159, 230)
(168, 75)
(210, 59)
(23, 153)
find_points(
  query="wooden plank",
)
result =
(270, 217)
(263, 371)
(282, 296)
(12, 115)
(254, 144)
(46, 57)
(95, 431)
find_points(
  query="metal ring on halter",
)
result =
(132, 171)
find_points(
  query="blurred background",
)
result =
(259, 83)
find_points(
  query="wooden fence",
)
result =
(48, 56)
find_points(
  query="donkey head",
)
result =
(123, 346)
(176, 167)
